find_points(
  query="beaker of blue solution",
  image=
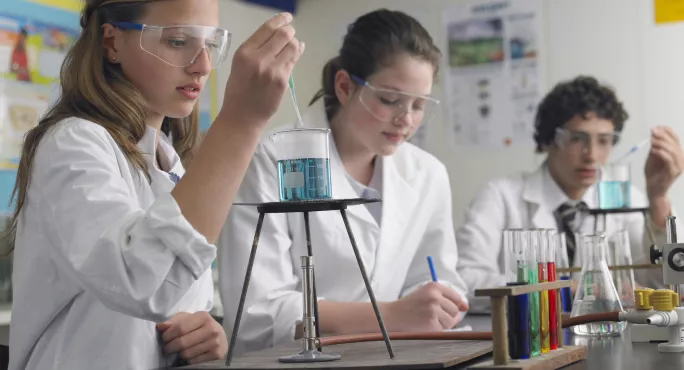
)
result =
(303, 156)
(613, 186)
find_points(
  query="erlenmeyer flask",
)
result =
(619, 254)
(595, 291)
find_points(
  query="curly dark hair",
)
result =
(580, 96)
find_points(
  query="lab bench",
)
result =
(602, 353)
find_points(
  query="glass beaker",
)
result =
(620, 254)
(303, 156)
(613, 186)
(595, 291)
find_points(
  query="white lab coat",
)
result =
(416, 222)
(101, 255)
(528, 200)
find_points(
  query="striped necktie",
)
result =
(566, 215)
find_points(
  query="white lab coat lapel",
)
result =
(541, 205)
(538, 209)
(161, 182)
(398, 201)
(171, 157)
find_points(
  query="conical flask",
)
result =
(595, 291)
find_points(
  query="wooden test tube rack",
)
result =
(644, 266)
(552, 360)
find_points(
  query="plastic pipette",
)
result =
(633, 150)
(294, 100)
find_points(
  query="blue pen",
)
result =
(432, 269)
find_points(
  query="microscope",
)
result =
(658, 315)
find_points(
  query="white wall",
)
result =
(614, 40)
(662, 58)
(241, 20)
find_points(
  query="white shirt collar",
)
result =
(167, 154)
(554, 196)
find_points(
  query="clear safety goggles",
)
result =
(389, 105)
(180, 46)
(581, 141)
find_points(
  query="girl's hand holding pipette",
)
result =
(665, 161)
(664, 164)
(260, 71)
(257, 82)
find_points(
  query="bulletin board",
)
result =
(35, 36)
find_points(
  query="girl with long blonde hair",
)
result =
(113, 239)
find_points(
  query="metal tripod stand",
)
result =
(309, 354)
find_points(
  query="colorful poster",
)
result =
(208, 104)
(35, 36)
(668, 11)
(34, 39)
(31, 54)
(493, 77)
(69, 5)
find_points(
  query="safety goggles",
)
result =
(180, 46)
(581, 141)
(389, 105)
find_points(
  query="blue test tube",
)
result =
(562, 261)
(518, 310)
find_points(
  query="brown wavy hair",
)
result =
(96, 90)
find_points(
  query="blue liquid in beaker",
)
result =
(613, 194)
(304, 179)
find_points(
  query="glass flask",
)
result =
(595, 291)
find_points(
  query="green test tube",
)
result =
(533, 238)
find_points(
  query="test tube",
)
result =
(671, 235)
(533, 270)
(551, 274)
(563, 262)
(518, 312)
(542, 260)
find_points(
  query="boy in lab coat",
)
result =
(577, 125)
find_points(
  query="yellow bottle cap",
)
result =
(664, 300)
(642, 298)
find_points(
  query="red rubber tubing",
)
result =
(459, 335)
